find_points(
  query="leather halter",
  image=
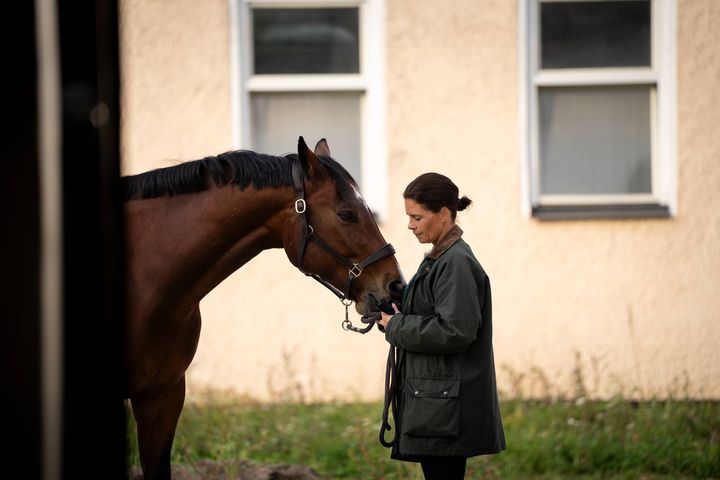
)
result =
(308, 233)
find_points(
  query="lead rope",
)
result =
(390, 386)
(390, 399)
(347, 324)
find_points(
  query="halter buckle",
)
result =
(300, 205)
(355, 271)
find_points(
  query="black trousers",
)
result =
(443, 468)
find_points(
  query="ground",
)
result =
(240, 470)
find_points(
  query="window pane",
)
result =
(278, 119)
(317, 40)
(595, 140)
(595, 34)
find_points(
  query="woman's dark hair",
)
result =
(434, 191)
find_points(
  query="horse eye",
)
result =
(347, 216)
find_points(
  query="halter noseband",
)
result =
(308, 233)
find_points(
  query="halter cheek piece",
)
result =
(308, 233)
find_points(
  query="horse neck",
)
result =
(188, 244)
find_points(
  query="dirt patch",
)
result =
(239, 470)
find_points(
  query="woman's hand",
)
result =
(385, 318)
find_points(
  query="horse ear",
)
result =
(310, 163)
(322, 148)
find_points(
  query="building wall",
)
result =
(622, 306)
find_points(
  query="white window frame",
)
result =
(370, 81)
(661, 75)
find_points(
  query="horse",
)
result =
(189, 226)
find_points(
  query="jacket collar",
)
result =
(452, 236)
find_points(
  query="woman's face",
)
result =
(426, 225)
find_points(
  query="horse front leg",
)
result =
(156, 414)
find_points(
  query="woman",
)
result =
(447, 399)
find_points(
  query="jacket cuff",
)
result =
(392, 330)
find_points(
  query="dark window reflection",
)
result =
(318, 40)
(595, 34)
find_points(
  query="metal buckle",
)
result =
(355, 268)
(300, 205)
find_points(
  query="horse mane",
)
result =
(238, 167)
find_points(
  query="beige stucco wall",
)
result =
(632, 303)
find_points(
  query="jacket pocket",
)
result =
(432, 407)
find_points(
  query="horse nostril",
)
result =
(396, 289)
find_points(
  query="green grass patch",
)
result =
(599, 439)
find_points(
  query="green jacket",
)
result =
(447, 397)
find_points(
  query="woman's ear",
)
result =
(445, 212)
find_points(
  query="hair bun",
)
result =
(463, 203)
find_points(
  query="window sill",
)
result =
(587, 212)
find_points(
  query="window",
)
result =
(313, 69)
(598, 108)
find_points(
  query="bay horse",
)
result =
(188, 227)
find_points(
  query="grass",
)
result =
(553, 439)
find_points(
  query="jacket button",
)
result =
(445, 393)
(417, 393)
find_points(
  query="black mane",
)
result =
(239, 167)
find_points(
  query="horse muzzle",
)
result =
(384, 305)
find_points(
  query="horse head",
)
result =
(334, 237)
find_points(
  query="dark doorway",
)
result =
(81, 418)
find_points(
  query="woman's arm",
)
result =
(459, 296)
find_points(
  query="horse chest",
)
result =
(165, 347)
